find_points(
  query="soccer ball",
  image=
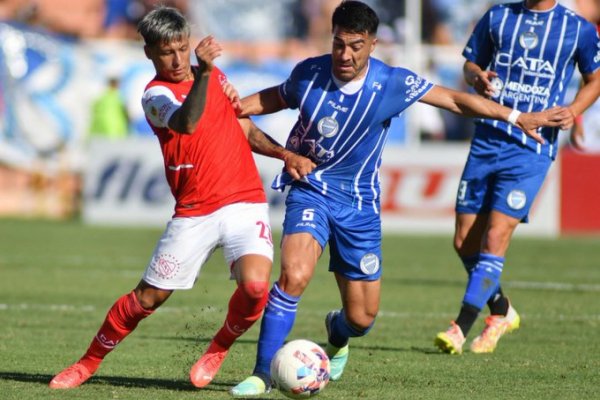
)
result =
(300, 369)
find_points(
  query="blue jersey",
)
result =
(344, 134)
(534, 54)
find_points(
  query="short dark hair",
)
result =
(355, 16)
(163, 25)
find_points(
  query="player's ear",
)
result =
(373, 43)
(147, 52)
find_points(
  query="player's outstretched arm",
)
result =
(267, 101)
(470, 105)
(185, 119)
(586, 95)
(296, 165)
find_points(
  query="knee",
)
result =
(151, 298)
(496, 240)
(361, 321)
(458, 244)
(466, 246)
(295, 277)
(255, 291)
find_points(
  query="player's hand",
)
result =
(529, 122)
(576, 137)
(298, 166)
(233, 96)
(207, 50)
(568, 119)
(483, 83)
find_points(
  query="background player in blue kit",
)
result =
(523, 56)
(346, 100)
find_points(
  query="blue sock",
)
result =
(484, 280)
(470, 263)
(342, 331)
(277, 322)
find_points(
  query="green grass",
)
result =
(57, 280)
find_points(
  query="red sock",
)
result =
(245, 308)
(121, 320)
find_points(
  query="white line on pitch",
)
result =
(209, 309)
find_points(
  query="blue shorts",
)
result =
(354, 236)
(501, 175)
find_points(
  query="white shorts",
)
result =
(186, 244)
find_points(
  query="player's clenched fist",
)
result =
(207, 50)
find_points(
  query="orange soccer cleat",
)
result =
(71, 377)
(203, 372)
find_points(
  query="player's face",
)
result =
(171, 60)
(350, 53)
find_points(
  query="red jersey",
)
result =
(211, 168)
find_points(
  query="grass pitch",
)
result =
(57, 281)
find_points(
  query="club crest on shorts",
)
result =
(369, 264)
(516, 199)
(165, 266)
(327, 127)
(528, 40)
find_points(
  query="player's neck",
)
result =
(540, 5)
(353, 86)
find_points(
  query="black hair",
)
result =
(355, 16)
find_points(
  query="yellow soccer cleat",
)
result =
(451, 341)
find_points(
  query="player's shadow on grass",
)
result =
(130, 382)
(252, 342)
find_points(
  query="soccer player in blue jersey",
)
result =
(345, 100)
(521, 55)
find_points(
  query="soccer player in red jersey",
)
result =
(220, 201)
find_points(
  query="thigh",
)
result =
(355, 244)
(518, 183)
(183, 248)
(252, 268)
(307, 212)
(474, 190)
(299, 255)
(245, 230)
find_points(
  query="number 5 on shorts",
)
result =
(308, 214)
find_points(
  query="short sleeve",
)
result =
(288, 89)
(159, 104)
(480, 46)
(588, 56)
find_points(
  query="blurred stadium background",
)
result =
(59, 160)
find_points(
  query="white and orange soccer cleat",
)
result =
(71, 377)
(206, 368)
(450, 341)
(495, 327)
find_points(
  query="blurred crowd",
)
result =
(443, 22)
(255, 31)
(262, 29)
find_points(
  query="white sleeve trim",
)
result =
(159, 104)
